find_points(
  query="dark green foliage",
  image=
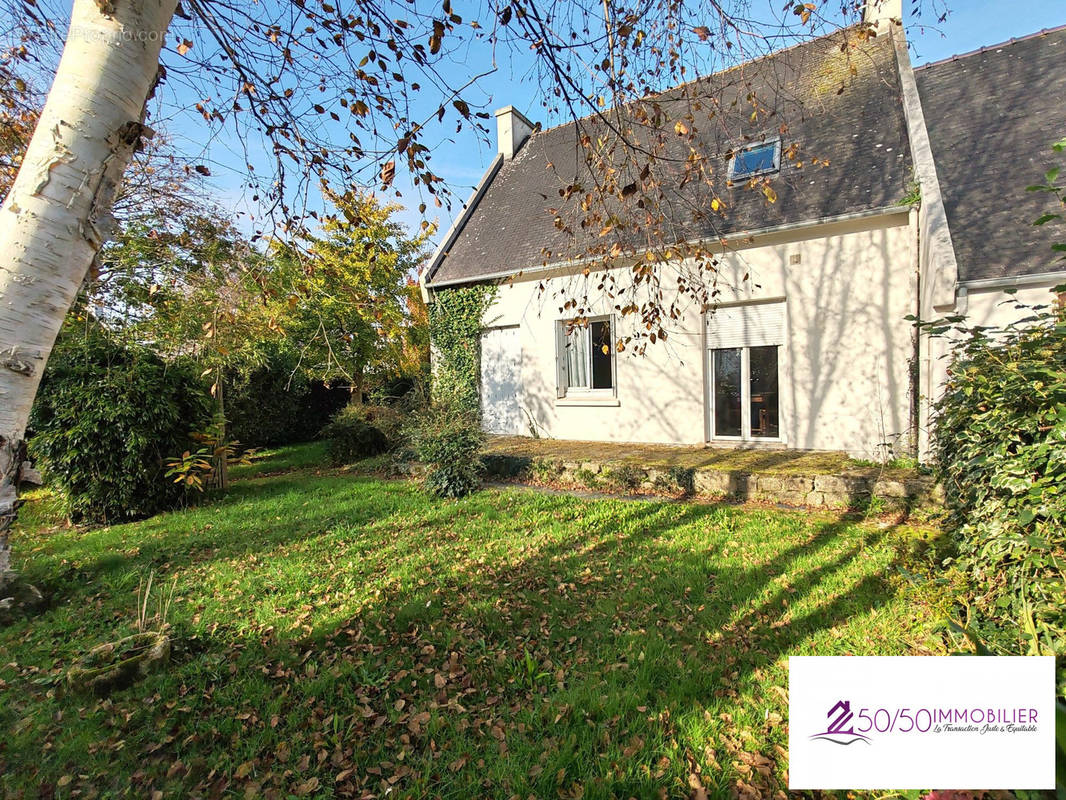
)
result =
(358, 431)
(106, 418)
(625, 477)
(678, 479)
(448, 440)
(455, 323)
(504, 465)
(276, 403)
(1001, 454)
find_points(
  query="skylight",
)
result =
(756, 159)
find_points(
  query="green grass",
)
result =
(310, 455)
(342, 635)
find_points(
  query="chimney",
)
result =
(512, 130)
(882, 13)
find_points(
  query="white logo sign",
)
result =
(979, 723)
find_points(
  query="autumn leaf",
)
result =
(184, 46)
(244, 770)
(388, 173)
(436, 37)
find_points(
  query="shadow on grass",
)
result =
(512, 644)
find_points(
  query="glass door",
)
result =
(728, 400)
(745, 394)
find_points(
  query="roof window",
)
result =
(755, 159)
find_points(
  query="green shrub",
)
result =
(107, 417)
(448, 440)
(624, 477)
(677, 480)
(1001, 454)
(273, 402)
(357, 432)
(546, 470)
(587, 478)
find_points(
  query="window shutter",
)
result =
(753, 325)
(560, 358)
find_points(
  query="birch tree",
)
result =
(58, 211)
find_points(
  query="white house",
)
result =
(807, 344)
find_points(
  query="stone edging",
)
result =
(842, 491)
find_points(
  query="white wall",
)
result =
(845, 380)
(994, 307)
(981, 304)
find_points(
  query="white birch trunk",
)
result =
(58, 211)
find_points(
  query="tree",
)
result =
(340, 92)
(350, 304)
(194, 291)
(19, 110)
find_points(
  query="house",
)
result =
(914, 205)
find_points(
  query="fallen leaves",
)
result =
(396, 644)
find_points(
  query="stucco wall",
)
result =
(994, 307)
(990, 306)
(844, 366)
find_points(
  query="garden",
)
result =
(336, 632)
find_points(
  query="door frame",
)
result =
(745, 388)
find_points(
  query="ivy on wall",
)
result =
(455, 319)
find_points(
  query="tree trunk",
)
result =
(58, 212)
(221, 462)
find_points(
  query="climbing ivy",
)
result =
(455, 319)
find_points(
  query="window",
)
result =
(585, 356)
(756, 159)
(744, 344)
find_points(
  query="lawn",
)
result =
(341, 634)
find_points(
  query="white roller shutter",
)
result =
(751, 325)
(560, 358)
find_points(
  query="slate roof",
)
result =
(861, 131)
(992, 116)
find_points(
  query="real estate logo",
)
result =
(914, 716)
(840, 729)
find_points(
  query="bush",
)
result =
(546, 470)
(677, 480)
(1001, 455)
(624, 477)
(274, 403)
(448, 440)
(358, 431)
(106, 418)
